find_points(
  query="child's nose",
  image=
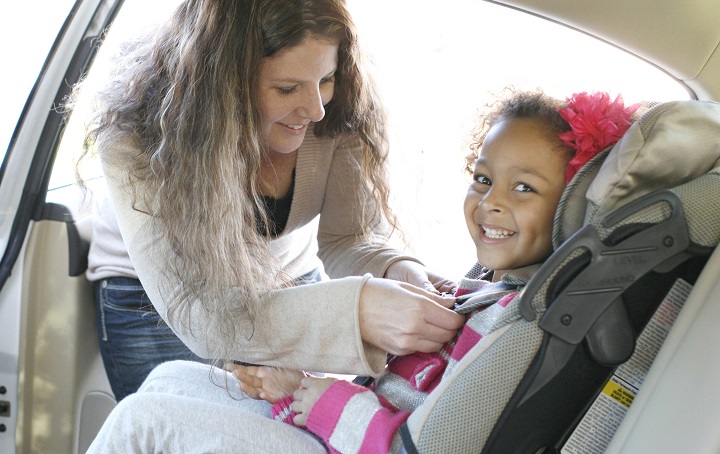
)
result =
(492, 201)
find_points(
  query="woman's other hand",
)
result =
(418, 275)
(401, 318)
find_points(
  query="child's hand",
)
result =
(419, 276)
(311, 388)
(267, 383)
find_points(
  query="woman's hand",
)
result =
(401, 318)
(267, 383)
(416, 274)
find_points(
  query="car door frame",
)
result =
(24, 177)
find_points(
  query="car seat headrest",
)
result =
(670, 146)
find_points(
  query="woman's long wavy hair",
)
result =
(186, 99)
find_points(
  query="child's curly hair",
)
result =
(519, 104)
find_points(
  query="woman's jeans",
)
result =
(133, 338)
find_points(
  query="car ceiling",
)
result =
(682, 38)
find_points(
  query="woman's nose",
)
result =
(312, 106)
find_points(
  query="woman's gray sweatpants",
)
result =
(188, 407)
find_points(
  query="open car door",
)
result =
(53, 391)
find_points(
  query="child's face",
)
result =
(510, 205)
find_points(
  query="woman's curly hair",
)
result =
(185, 98)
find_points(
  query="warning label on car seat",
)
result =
(599, 424)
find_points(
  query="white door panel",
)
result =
(45, 367)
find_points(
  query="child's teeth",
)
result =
(497, 233)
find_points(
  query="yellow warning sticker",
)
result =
(618, 393)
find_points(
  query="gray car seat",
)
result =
(635, 218)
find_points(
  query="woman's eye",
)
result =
(287, 90)
(522, 187)
(327, 80)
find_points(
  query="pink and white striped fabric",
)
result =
(350, 418)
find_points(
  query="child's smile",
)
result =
(495, 233)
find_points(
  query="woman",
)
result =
(222, 137)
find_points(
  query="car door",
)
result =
(47, 376)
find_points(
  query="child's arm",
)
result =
(347, 417)
(266, 383)
(304, 399)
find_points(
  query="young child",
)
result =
(523, 154)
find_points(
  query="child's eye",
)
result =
(287, 90)
(522, 187)
(482, 179)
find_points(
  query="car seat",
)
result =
(634, 225)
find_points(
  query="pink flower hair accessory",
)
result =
(596, 123)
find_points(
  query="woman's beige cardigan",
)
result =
(311, 327)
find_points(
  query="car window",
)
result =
(134, 18)
(435, 67)
(26, 38)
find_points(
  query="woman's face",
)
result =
(295, 85)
